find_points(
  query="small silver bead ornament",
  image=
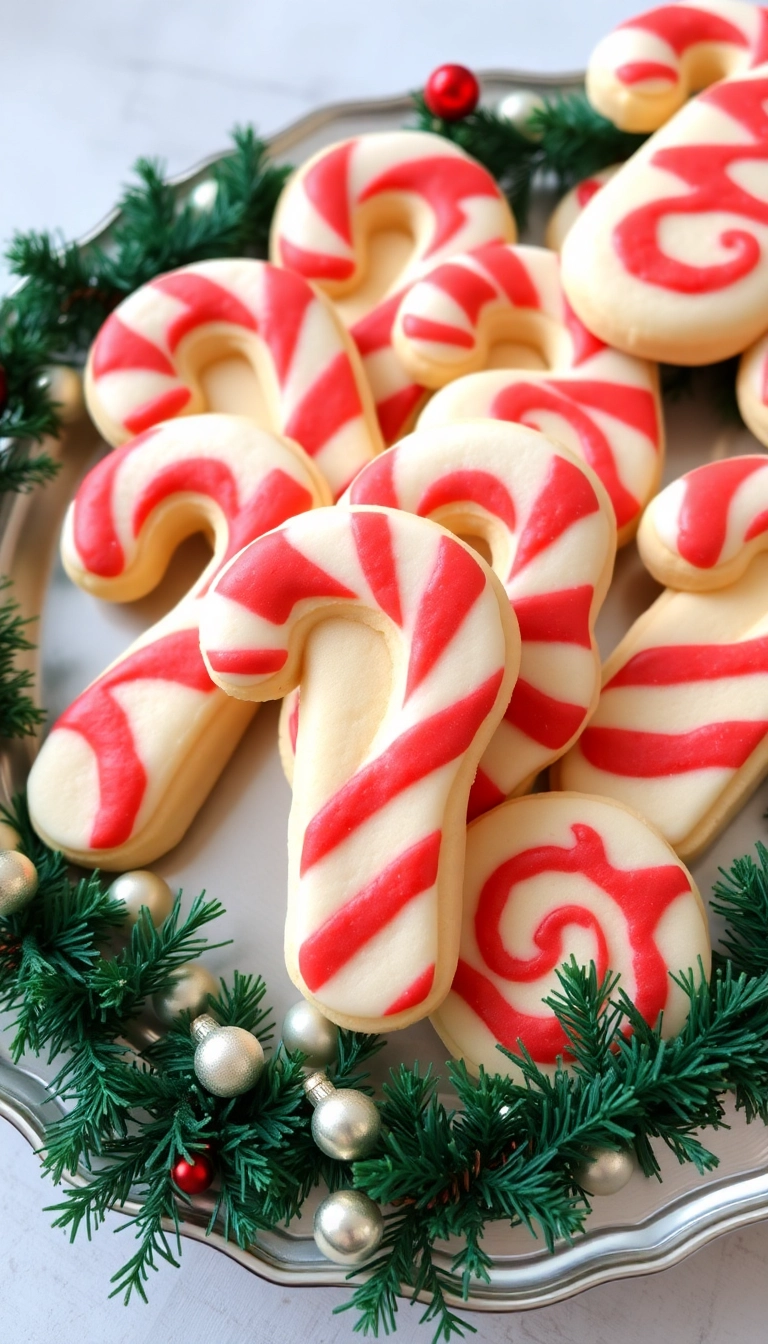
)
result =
(517, 107)
(18, 881)
(346, 1123)
(305, 1029)
(64, 385)
(228, 1060)
(202, 197)
(605, 1171)
(188, 992)
(143, 888)
(348, 1227)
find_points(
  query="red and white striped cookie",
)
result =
(703, 530)
(550, 531)
(601, 404)
(555, 876)
(670, 260)
(146, 362)
(363, 218)
(377, 825)
(642, 72)
(126, 767)
(681, 729)
(567, 211)
(752, 388)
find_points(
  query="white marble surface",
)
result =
(85, 89)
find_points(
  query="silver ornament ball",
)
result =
(517, 107)
(605, 1171)
(348, 1227)
(305, 1029)
(228, 1060)
(64, 385)
(188, 992)
(18, 881)
(202, 197)
(142, 888)
(346, 1124)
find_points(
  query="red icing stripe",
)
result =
(683, 26)
(416, 993)
(673, 664)
(565, 497)
(548, 721)
(119, 348)
(703, 521)
(327, 186)
(375, 484)
(284, 303)
(394, 412)
(164, 407)
(586, 190)
(373, 332)
(416, 753)
(469, 290)
(98, 717)
(293, 722)
(315, 265)
(483, 795)
(556, 618)
(479, 487)
(247, 662)
(326, 951)
(373, 541)
(543, 1037)
(451, 591)
(331, 402)
(204, 301)
(621, 751)
(757, 527)
(585, 345)
(637, 72)
(634, 406)
(510, 273)
(425, 329)
(270, 576)
(444, 182)
(96, 540)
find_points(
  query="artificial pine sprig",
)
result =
(19, 716)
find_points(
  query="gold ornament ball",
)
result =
(143, 888)
(305, 1029)
(228, 1060)
(517, 107)
(346, 1124)
(348, 1227)
(188, 992)
(64, 385)
(605, 1171)
(18, 881)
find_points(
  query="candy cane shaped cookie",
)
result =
(551, 534)
(642, 72)
(670, 260)
(567, 211)
(601, 404)
(558, 875)
(377, 825)
(148, 360)
(681, 729)
(752, 388)
(704, 529)
(128, 764)
(362, 218)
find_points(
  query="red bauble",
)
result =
(451, 92)
(193, 1177)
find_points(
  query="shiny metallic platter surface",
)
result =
(235, 851)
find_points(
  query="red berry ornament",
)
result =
(193, 1177)
(451, 92)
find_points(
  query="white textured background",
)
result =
(85, 88)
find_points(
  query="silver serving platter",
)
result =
(233, 849)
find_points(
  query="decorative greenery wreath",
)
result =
(513, 1150)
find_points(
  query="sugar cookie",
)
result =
(557, 875)
(601, 404)
(148, 360)
(377, 826)
(126, 767)
(642, 72)
(703, 530)
(362, 218)
(752, 388)
(681, 729)
(670, 259)
(567, 211)
(550, 531)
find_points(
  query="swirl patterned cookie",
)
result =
(641, 73)
(703, 530)
(377, 825)
(363, 218)
(670, 259)
(147, 362)
(508, 301)
(126, 767)
(557, 875)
